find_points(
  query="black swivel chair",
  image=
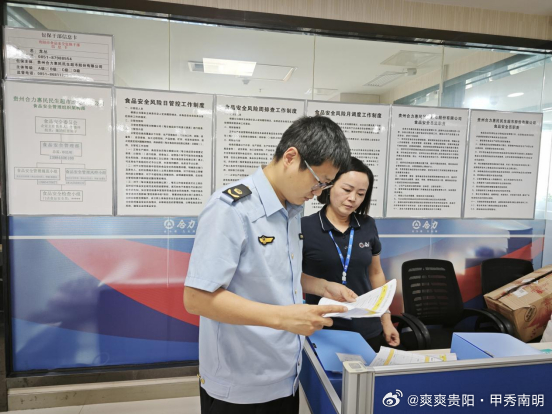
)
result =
(432, 295)
(413, 333)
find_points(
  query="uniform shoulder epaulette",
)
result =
(235, 193)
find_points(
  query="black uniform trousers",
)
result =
(286, 405)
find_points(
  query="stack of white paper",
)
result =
(370, 305)
(390, 356)
(444, 357)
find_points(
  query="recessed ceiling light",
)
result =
(515, 95)
(228, 67)
(262, 72)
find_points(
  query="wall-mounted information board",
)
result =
(426, 162)
(164, 152)
(58, 56)
(59, 149)
(366, 128)
(503, 164)
(247, 133)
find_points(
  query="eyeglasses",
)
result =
(320, 185)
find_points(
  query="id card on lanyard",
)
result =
(345, 262)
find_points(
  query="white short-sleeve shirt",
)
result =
(253, 248)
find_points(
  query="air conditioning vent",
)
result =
(384, 79)
(410, 58)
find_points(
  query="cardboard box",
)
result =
(526, 302)
(477, 345)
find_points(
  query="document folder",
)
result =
(476, 345)
(327, 343)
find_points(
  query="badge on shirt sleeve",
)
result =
(264, 240)
(238, 192)
(300, 236)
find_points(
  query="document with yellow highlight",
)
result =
(390, 356)
(370, 305)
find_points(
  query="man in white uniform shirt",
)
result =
(245, 278)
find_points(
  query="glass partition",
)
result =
(359, 71)
(546, 170)
(229, 61)
(502, 81)
(494, 80)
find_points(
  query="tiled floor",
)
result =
(188, 405)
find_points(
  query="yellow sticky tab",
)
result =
(380, 298)
(388, 360)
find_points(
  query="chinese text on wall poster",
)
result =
(58, 56)
(247, 133)
(426, 165)
(163, 152)
(366, 129)
(503, 163)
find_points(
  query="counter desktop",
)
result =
(493, 372)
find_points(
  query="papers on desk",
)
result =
(444, 357)
(390, 356)
(370, 305)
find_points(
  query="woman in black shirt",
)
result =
(344, 226)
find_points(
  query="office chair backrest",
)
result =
(431, 292)
(498, 272)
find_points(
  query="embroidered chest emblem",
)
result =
(264, 240)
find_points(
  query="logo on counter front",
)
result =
(169, 224)
(426, 226)
(391, 400)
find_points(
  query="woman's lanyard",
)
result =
(345, 262)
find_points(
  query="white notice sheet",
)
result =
(366, 128)
(59, 149)
(370, 305)
(247, 133)
(58, 56)
(390, 356)
(503, 164)
(164, 152)
(426, 162)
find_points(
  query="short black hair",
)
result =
(318, 139)
(354, 165)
